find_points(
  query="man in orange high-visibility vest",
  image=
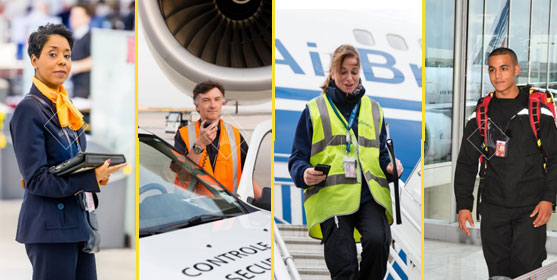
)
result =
(216, 146)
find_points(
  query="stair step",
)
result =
(292, 227)
(315, 277)
(306, 252)
(313, 270)
(293, 231)
(301, 240)
(306, 249)
(307, 259)
(306, 255)
(303, 245)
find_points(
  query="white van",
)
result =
(190, 226)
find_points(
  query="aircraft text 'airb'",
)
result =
(377, 66)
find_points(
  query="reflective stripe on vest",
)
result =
(228, 169)
(341, 195)
(235, 159)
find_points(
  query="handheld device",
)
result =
(323, 168)
(207, 124)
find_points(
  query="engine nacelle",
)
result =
(228, 41)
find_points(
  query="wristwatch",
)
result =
(197, 149)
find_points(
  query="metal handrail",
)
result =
(286, 257)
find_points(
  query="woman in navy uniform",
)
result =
(46, 130)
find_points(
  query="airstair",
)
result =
(306, 252)
(405, 251)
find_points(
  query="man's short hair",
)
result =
(502, 51)
(205, 87)
(38, 39)
(87, 8)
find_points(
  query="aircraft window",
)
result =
(397, 42)
(364, 37)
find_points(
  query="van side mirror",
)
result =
(264, 202)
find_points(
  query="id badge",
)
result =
(501, 148)
(90, 201)
(349, 167)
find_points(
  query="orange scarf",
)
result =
(68, 114)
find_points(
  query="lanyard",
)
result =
(350, 120)
(77, 141)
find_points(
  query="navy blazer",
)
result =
(51, 211)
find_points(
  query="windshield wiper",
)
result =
(197, 220)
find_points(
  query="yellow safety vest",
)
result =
(341, 195)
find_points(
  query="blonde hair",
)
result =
(342, 52)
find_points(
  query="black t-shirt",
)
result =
(82, 81)
(501, 110)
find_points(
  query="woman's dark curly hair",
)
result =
(38, 38)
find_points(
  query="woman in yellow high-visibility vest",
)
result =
(344, 129)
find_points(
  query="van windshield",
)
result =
(175, 193)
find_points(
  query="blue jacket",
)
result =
(50, 212)
(301, 147)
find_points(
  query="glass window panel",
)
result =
(474, 55)
(439, 46)
(538, 43)
(495, 34)
(439, 60)
(519, 34)
(553, 47)
(552, 81)
(477, 43)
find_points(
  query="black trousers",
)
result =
(340, 246)
(64, 261)
(512, 246)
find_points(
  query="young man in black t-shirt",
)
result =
(518, 192)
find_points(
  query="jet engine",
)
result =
(228, 41)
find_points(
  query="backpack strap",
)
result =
(535, 99)
(481, 114)
(481, 120)
(534, 115)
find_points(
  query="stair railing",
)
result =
(286, 257)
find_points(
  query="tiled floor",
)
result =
(443, 260)
(117, 264)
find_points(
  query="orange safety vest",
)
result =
(228, 167)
